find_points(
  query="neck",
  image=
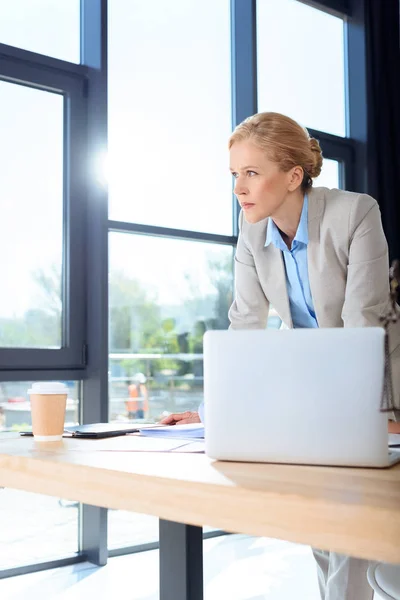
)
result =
(287, 217)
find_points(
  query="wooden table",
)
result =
(352, 511)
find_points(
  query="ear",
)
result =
(295, 178)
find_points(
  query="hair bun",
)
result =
(317, 155)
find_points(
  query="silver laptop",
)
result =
(304, 396)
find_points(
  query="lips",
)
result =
(247, 205)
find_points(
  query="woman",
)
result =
(319, 256)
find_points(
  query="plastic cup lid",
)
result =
(48, 387)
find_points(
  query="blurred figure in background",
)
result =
(138, 403)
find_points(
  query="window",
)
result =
(300, 64)
(34, 527)
(31, 224)
(170, 114)
(169, 109)
(43, 192)
(330, 174)
(42, 26)
(126, 528)
(164, 294)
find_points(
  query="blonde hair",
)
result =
(284, 141)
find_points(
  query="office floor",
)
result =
(236, 568)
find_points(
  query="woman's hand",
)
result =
(181, 418)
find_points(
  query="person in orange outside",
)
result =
(138, 403)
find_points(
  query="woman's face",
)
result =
(260, 186)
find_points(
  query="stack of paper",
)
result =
(192, 430)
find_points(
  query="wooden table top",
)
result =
(354, 511)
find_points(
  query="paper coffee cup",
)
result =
(48, 404)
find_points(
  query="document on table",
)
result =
(151, 444)
(138, 443)
(192, 447)
(394, 440)
(187, 431)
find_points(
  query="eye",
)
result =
(251, 173)
(234, 174)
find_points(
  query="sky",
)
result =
(169, 123)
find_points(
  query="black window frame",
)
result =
(21, 67)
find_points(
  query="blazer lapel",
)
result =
(278, 295)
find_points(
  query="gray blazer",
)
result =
(348, 268)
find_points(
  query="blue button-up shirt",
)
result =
(297, 281)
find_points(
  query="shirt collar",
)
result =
(274, 237)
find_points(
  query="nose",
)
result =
(239, 187)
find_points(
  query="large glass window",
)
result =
(164, 294)
(31, 224)
(50, 27)
(300, 64)
(34, 528)
(170, 113)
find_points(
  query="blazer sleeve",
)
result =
(250, 307)
(367, 286)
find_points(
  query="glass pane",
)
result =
(34, 527)
(306, 81)
(329, 176)
(170, 113)
(127, 528)
(164, 294)
(31, 223)
(42, 26)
